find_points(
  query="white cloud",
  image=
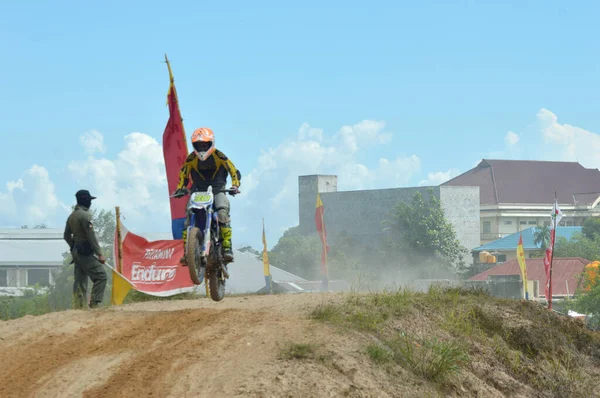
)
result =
(270, 190)
(135, 180)
(92, 142)
(439, 177)
(566, 142)
(31, 200)
(511, 139)
(307, 132)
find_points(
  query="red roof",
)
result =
(563, 269)
(531, 182)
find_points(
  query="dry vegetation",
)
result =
(459, 338)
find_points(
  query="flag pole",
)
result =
(119, 241)
(552, 238)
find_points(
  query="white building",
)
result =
(519, 194)
(27, 257)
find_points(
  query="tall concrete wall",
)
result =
(461, 208)
(362, 213)
(308, 187)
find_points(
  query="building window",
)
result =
(38, 276)
(546, 223)
(3, 278)
(523, 222)
(501, 258)
(569, 223)
(507, 222)
(532, 222)
(487, 227)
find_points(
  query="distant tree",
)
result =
(250, 250)
(578, 246)
(587, 300)
(541, 237)
(297, 254)
(301, 255)
(591, 228)
(420, 231)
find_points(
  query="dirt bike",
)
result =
(204, 249)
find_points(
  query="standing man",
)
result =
(80, 236)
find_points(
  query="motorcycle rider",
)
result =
(207, 166)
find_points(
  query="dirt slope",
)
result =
(181, 348)
(199, 348)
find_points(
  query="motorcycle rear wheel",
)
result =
(196, 270)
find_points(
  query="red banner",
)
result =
(153, 267)
(175, 153)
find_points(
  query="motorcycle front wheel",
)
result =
(193, 262)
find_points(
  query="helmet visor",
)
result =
(202, 146)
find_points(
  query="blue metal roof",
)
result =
(510, 242)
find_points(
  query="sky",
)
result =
(383, 94)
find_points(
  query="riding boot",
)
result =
(183, 260)
(226, 237)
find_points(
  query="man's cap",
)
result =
(84, 194)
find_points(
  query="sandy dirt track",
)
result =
(195, 348)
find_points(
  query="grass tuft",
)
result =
(297, 351)
(432, 359)
(379, 354)
(327, 313)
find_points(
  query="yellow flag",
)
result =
(265, 254)
(523, 265)
(120, 288)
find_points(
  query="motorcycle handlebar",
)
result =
(230, 191)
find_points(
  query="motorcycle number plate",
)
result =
(201, 198)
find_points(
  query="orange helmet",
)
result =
(203, 141)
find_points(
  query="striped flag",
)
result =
(556, 216)
(175, 152)
(321, 230)
(523, 265)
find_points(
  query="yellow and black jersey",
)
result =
(213, 171)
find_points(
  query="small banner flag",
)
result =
(265, 257)
(120, 288)
(175, 152)
(523, 265)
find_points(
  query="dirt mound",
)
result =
(178, 349)
(256, 346)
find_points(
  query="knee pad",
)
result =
(223, 216)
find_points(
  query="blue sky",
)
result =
(443, 82)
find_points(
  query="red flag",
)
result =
(175, 152)
(320, 223)
(547, 263)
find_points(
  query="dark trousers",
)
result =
(88, 267)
